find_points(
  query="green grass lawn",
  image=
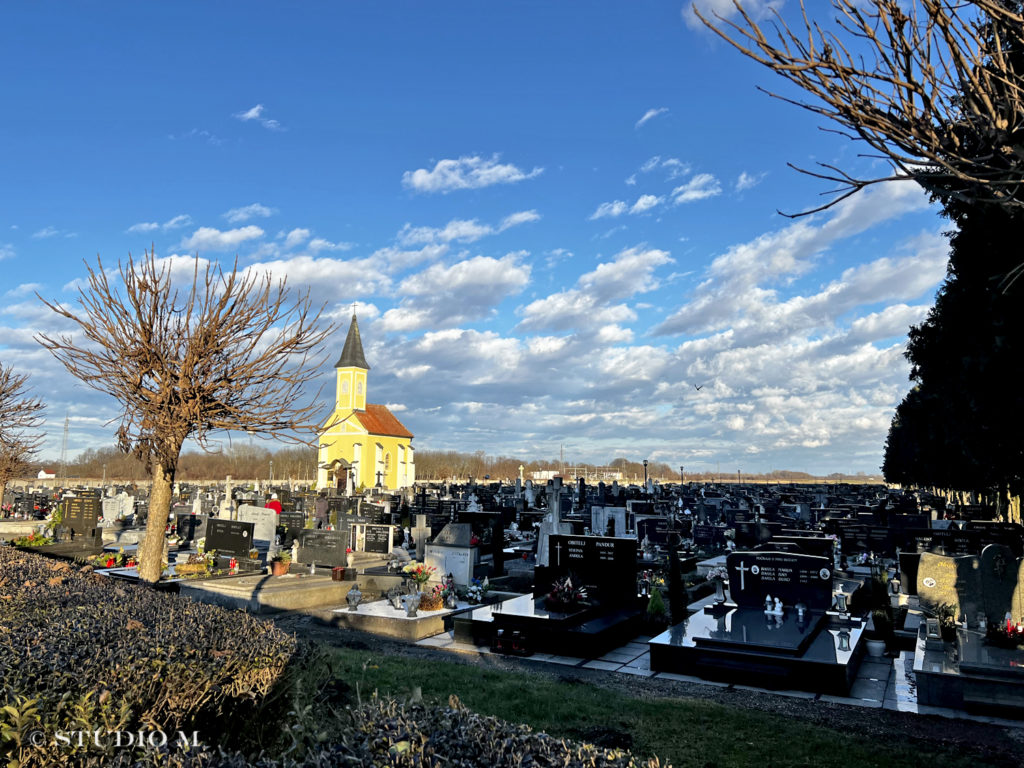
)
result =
(684, 732)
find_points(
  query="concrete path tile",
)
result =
(607, 666)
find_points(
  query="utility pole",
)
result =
(64, 454)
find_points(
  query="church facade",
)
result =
(362, 443)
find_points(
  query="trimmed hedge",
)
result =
(79, 651)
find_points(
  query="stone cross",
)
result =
(743, 570)
(421, 532)
(558, 553)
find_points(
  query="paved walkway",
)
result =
(881, 683)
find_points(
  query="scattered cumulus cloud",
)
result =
(256, 114)
(673, 167)
(650, 114)
(179, 221)
(468, 172)
(700, 187)
(609, 210)
(296, 237)
(46, 232)
(726, 9)
(462, 230)
(749, 181)
(318, 244)
(201, 135)
(645, 203)
(6, 251)
(246, 212)
(212, 239)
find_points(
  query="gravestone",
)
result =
(1002, 584)
(264, 520)
(292, 522)
(379, 538)
(190, 527)
(451, 552)
(325, 548)
(793, 578)
(82, 515)
(604, 564)
(229, 537)
(608, 521)
(420, 535)
(111, 510)
(954, 581)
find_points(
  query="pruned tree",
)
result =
(933, 87)
(20, 416)
(229, 352)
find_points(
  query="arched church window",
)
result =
(344, 387)
(359, 387)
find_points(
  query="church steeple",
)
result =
(352, 353)
(352, 370)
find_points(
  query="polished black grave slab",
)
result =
(734, 644)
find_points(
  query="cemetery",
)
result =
(791, 589)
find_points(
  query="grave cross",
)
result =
(558, 553)
(743, 570)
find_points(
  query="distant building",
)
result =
(362, 443)
(46, 474)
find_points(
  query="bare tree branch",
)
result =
(940, 96)
(20, 416)
(230, 353)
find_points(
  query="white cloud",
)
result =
(444, 296)
(24, 289)
(296, 237)
(644, 203)
(334, 281)
(181, 220)
(749, 181)
(468, 172)
(726, 9)
(462, 230)
(673, 166)
(46, 232)
(318, 244)
(256, 113)
(650, 114)
(238, 215)
(211, 239)
(520, 217)
(6, 251)
(609, 210)
(701, 186)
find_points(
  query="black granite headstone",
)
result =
(606, 564)
(81, 514)
(378, 538)
(323, 547)
(793, 578)
(229, 537)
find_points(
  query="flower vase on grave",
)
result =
(719, 591)
(354, 597)
(411, 602)
(350, 558)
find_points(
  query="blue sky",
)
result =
(555, 219)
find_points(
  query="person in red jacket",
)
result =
(274, 504)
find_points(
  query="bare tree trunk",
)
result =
(151, 551)
(3, 490)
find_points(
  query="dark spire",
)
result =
(352, 353)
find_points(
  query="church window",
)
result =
(359, 388)
(344, 387)
(387, 462)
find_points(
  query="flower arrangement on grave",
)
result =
(419, 572)
(718, 573)
(475, 592)
(282, 556)
(201, 545)
(254, 554)
(432, 600)
(194, 567)
(474, 540)
(566, 596)
(32, 540)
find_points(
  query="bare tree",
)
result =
(232, 352)
(938, 96)
(20, 416)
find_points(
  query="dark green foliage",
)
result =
(87, 652)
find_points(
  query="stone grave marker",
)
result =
(190, 527)
(292, 522)
(379, 538)
(1002, 584)
(111, 510)
(955, 581)
(229, 537)
(82, 515)
(264, 521)
(609, 521)
(791, 577)
(323, 547)
(451, 552)
(606, 564)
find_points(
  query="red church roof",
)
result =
(378, 420)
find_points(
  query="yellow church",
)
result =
(362, 443)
